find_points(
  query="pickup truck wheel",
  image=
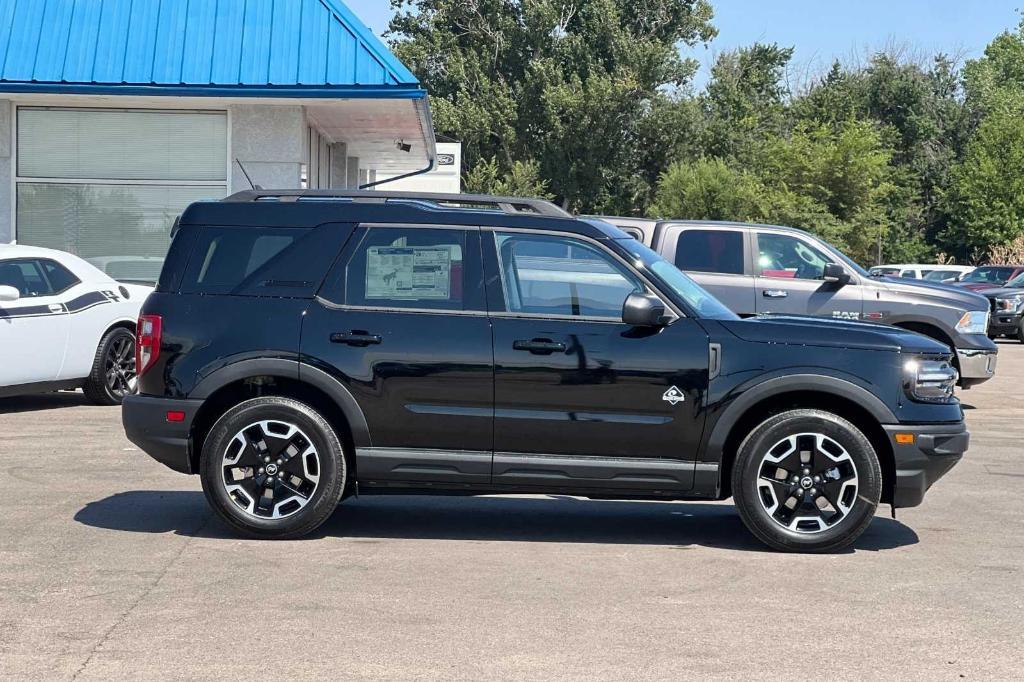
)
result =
(113, 369)
(273, 468)
(806, 481)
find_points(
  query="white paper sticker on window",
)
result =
(409, 272)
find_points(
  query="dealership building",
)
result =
(116, 114)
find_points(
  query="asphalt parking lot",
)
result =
(112, 566)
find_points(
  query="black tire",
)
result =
(242, 423)
(1020, 331)
(113, 369)
(758, 483)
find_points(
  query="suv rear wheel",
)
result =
(273, 468)
(806, 481)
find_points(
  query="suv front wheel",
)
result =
(273, 468)
(806, 481)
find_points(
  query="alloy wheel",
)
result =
(119, 366)
(270, 469)
(807, 483)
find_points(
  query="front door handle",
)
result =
(357, 338)
(539, 346)
(774, 293)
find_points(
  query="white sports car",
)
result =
(64, 324)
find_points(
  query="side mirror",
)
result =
(834, 272)
(644, 310)
(8, 294)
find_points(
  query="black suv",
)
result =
(304, 346)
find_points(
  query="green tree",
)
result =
(985, 198)
(567, 85)
(987, 194)
(708, 189)
(521, 180)
(745, 100)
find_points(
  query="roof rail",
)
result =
(513, 205)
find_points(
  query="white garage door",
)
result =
(106, 184)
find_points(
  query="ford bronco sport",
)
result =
(302, 346)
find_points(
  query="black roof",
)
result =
(309, 208)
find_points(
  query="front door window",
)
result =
(783, 256)
(549, 275)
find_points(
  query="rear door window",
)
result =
(412, 268)
(719, 251)
(257, 261)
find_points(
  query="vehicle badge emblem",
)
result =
(673, 396)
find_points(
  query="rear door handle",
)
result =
(774, 293)
(356, 338)
(539, 346)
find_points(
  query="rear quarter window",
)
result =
(265, 261)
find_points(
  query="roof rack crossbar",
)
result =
(512, 205)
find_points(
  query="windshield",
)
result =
(884, 272)
(989, 275)
(941, 275)
(1017, 282)
(833, 251)
(702, 302)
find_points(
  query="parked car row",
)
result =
(932, 273)
(295, 352)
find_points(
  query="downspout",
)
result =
(427, 126)
(430, 167)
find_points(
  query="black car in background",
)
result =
(1007, 309)
(302, 346)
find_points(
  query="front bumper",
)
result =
(145, 423)
(933, 452)
(1004, 323)
(976, 366)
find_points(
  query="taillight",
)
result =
(147, 342)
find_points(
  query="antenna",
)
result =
(246, 174)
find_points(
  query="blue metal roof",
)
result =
(286, 48)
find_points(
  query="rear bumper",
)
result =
(976, 366)
(145, 423)
(936, 448)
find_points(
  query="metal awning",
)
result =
(294, 50)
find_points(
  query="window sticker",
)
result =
(409, 272)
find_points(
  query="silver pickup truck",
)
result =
(767, 269)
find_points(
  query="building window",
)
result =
(106, 184)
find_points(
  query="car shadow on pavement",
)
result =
(482, 519)
(42, 401)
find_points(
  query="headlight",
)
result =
(929, 381)
(973, 322)
(1008, 305)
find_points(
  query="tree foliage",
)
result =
(570, 85)
(590, 102)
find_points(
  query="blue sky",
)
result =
(822, 30)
